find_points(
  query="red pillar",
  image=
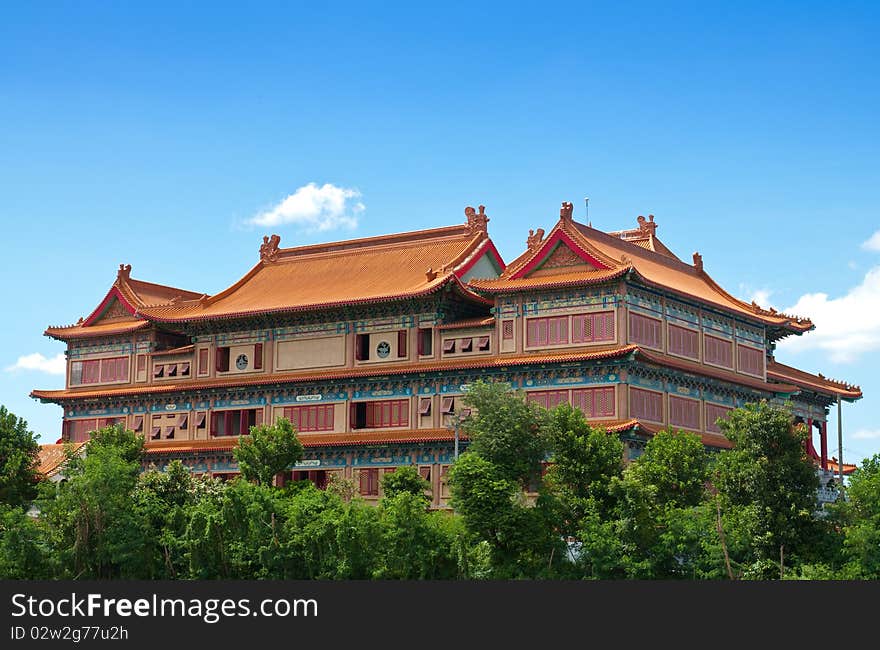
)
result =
(824, 438)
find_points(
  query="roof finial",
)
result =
(698, 261)
(124, 271)
(430, 274)
(269, 248)
(565, 212)
(476, 222)
(647, 226)
(534, 239)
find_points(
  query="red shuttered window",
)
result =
(548, 398)
(646, 405)
(684, 412)
(715, 412)
(388, 413)
(718, 351)
(258, 356)
(203, 361)
(595, 402)
(315, 417)
(401, 343)
(684, 342)
(645, 330)
(587, 328)
(547, 331)
(750, 360)
(368, 480)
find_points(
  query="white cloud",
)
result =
(762, 297)
(866, 434)
(315, 209)
(846, 327)
(36, 361)
(873, 243)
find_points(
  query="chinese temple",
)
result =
(369, 345)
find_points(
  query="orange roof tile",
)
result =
(52, 458)
(809, 381)
(834, 467)
(472, 322)
(342, 273)
(708, 438)
(110, 328)
(371, 371)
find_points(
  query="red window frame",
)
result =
(368, 480)
(717, 351)
(551, 330)
(592, 327)
(713, 413)
(645, 330)
(683, 341)
(547, 398)
(750, 360)
(684, 412)
(599, 402)
(387, 413)
(646, 404)
(315, 417)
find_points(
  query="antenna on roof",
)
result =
(587, 204)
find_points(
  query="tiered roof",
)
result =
(120, 312)
(591, 256)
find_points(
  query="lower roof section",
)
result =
(815, 383)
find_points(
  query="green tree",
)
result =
(584, 460)
(506, 430)
(95, 528)
(25, 552)
(521, 538)
(405, 480)
(769, 475)
(676, 464)
(18, 460)
(861, 514)
(270, 449)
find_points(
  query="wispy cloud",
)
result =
(867, 434)
(36, 361)
(846, 327)
(872, 243)
(314, 208)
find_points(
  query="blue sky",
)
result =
(156, 135)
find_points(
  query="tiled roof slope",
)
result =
(809, 381)
(366, 270)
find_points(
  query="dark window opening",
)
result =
(222, 359)
(401, 343)
(362, 347)
(258, 356)
(426, 341)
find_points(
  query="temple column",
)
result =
(823, 434)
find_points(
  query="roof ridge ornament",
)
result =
(566, 212)
(535, 238)
(476, 222)
(647, 226)
(269, 248)
(430, 274)
(124, 272)
(698, 262)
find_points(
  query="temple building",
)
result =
(368, 347)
